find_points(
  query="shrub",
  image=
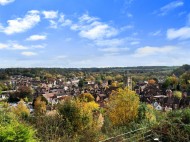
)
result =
(21, 110)
(39, 105)
(11, 130)
(177, 94)
(175, 127)
(86, 97)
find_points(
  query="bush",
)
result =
(49, 128)
(21, 110)
(177, 94)
(11, 130)
(86, 97)
(146, 112)
(175, 127)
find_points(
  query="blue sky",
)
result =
(94, 33)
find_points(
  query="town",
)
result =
(41, 91)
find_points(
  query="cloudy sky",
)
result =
(94, 33)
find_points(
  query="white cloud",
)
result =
(11, 45)
(67, 22)
(3, 46)
(110, 42)
(53, 24)
(86, 18)
(50, 14)
(126, 6)
(68, 39)
(165, 9)
(19, 25)
(182, 33)
(16, 46)
(156, 33)
(5, 2)
(127, 27)
(113, 49)
(29, 53)
(98, 30)
(135, 34)
(178, 56)
(36, 37)
(60, 57)
(1, 27)
(135, 42)
(39, 46)
(63, 21)
(188, 19)
(92, 28)
(129, 15)
(149, 51)
(182, 13)
(114, 43)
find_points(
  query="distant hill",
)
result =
(179, 71)
(34, 71)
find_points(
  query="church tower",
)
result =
(127, 80)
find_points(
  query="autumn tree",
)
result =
(177, 94)
(171, 81)
(114, 84)
(3, 87)
(146, 112)
(21, 109)
(77, 115)
(185, 81)
(118, 77)
(122, 107)
(86, 97)
(151, 81)
(39, 105)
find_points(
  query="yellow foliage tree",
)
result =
(78, 114)
(119, 77)
(150, 113)
(151, 81)
(90, 106)
(21, 109)
(39, 105)
(114, 84)
(177, 94)
(86, 97)
(122, 106)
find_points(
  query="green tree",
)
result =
(0, 90)
(185, 81)
(171, 81)
(81, 83)
(11, 130)
(24, 92)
